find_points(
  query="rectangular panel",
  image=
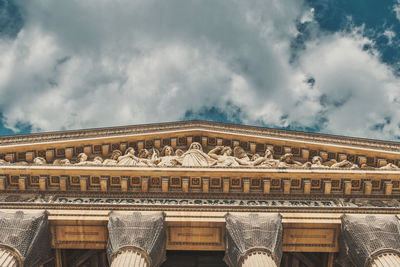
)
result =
(79, 236)
(195, 236)
(308, 238)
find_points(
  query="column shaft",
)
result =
(8, 259)
(386, 259)
(259, 259)
(129, 258)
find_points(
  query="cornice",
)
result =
(109, 207)
(159, 128)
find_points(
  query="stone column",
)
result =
(253, 240)
(130, 257)
(9, 258)
(369, 241)
(25, 239)
(136, 239)
(386, 259)
(259, 259)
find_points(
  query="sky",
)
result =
(326, 66)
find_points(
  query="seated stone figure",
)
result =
(317, 162)
(179, 152)
(389, 166)
(195, 157)
(146, 160)
(168, 157)
(82, 159)
(39, 161)
(287, 161)
(344, 164)
(3, 162)
(97, 161)
(61, 162)
(266, 161)
(113, 160)
(223, 156)
(241, 156)
(129, 159)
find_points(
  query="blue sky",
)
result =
(314, 65)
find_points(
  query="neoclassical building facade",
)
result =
(198, 193)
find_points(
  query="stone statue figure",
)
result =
(145, 160)
(61, 162)
(179, 152)
(39, 161)
(239, 153)
(389, 166)
(266, 161)
(143, 153)
(344, 164)
(97, 161)
(195, 157)
(82, 159)
(317, 162)
(168, 157)
(3, 162)
(129, 159)
(241, 156)
(223, 156)
(287, 161)
(113, 160)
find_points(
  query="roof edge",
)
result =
(148, 127)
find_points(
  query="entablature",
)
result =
(245, 181)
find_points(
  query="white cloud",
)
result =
(80, 64)
(389, 35)
(396, 9)
(308, 16)
(360, 94)
(91, 63)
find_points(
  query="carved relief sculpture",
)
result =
(287, 161)
(345, 164)
(82, 159)
(129, 159)
(389, 166)
(223, 156)
(39, 161)
(219, 156)
(317, 162)
(168, 158)
(145, 160)
(266, 161)
(61, 162)
(196, 157)
(113, 160)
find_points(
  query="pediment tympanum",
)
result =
(198, 144)
(201, 156)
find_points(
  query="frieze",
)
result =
(200, 202)
(196, 202)
(218, 156)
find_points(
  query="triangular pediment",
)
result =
(179, 135)
(198, 157)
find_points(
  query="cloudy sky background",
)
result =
(329, 66)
